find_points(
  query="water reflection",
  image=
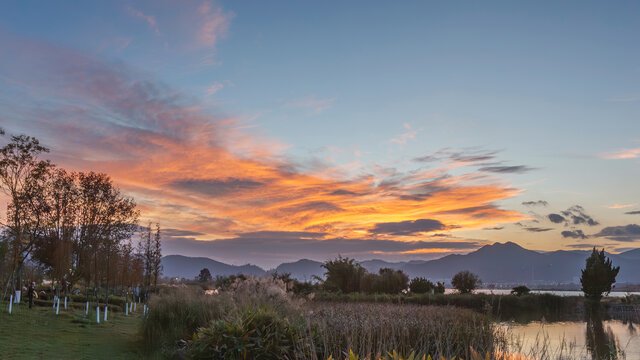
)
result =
(592, 336)
(601, 343)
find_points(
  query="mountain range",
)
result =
(496, 263)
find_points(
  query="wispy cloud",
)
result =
(214, 88)
(402, 139)
(214, 24)
(622, 154)
(318, 105)
(621, 206)
(149, 19)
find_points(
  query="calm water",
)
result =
(609, 339)
(556, 292)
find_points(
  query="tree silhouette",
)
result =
(598, 275)
(204, 276)
(465, 281)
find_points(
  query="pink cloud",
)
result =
(214, 24)
(623, 154)
(151, 20)
(402, 139)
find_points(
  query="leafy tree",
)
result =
(598, 275)
(520, 290)
(23, 179)
(439, 288)
(343, 274)
(465, 281)
(420, 285)
(391, 281)
(204, 276)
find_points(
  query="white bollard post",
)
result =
(86, 309)
(98, 314)
(105, 313)
(65, 303)
(126, 309)
(10, 303)
(54, 301)
(58, 307)
(134, 307)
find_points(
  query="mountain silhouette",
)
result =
(496, 263)
(178, 266)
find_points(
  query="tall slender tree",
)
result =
(598, 276)
(23, 178)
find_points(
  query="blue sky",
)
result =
(342, 91)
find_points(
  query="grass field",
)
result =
(40, 334)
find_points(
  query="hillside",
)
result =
(495, 263)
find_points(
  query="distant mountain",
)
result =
(511, 263)
(189, 267)
(375, 265)
(303, 270)
(497, 263)
(631, 254)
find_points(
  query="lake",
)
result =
(576, 339)
(555, 292)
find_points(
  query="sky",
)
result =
(266, 132)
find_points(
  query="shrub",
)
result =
(259, 333)
(520, 290)
(465, 281)
(420, 285)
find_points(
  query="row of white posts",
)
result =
(130, 307)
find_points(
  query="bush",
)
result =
(520, 290)
(259, 333)
(465, 281)
(420, 285)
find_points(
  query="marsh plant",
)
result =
(258, 319)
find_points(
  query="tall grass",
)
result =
(505, 307)
(372, 330)
(257, 319)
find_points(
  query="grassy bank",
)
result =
(504, 307)
(40, 334)
(258, 320)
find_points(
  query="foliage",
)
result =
(72, 226)
(520, 290)
(253, 333)
(204, 276)
(465, 281)
(343, 274)
(420, 285)
(598, 275)
(257, 318)
(520, 308)
(347, 276)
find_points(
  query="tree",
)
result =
(391, 281)
(520, 290)
(156, 257)
(598, 276)
(465, 281)
(343, 274)
(420, 285)
(204, 276)
(22, 178)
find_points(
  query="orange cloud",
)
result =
(208, 174)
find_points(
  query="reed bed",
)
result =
(257, 319)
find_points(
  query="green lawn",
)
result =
(40, 334)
